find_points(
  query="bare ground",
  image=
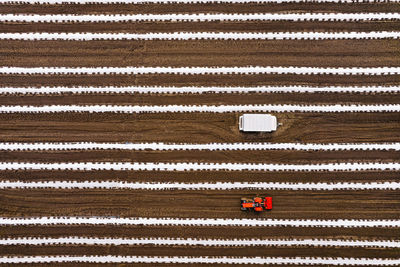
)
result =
(366, 204)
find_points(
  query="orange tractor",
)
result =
(256, 204)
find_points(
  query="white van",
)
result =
(257, 123)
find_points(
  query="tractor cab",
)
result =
(257, 204)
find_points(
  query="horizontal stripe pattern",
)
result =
(87, 36)
(75, 240)
(204, 70)
(201, 90)
(118, 166)
(98, 220)
(198, 186)
(59, 18)
(209, 146)
(207, 260)
(211, 108)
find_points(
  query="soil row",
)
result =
(154, 8)
(313, 53)
(343, 204)
(201, 176)
(197, 128)
(214, 232)
(147, 250)
(211, 26)
(17, 80)
(202, 99)
(257, 156)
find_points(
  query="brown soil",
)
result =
(7, 8)
(366, 204)
(209, 26)
(202, 99)
(313, 53)
(197, 127)
(256, 156)
(257, 251)
(362, 233)
(198, 80)
(201, 176)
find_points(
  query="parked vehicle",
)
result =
(257, 123)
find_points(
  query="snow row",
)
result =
(203, 70)
(198, 90)
(67, 220)
(196, 108)
(208, 147)
(87, 36)
(152, 166)
(204, 260)
(58, 18)
(194, 1)
(89, 241)
(198, 186)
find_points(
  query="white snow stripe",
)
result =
(207, 260)
(194, 1)
(208, 146)
(58, 18)
(87, 36)
(204, 108)
(150, 166)
(68, 220)
(261, 89)
(75, 240)
(197, 186)
(203, 70)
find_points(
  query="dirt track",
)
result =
(367, 204)
(197, 127)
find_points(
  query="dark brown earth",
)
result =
(197, 127)
(200, 128)
(7, 8)
(215, 232)
(305, 53)
(365, 204)
(202, 99)
(147, 250)
(201, 176)
(253, 156)
(16, 80)
(208, 26)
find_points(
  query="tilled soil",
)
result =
(353, 204)
(154, 8)
(202, 176)
(208, 26)
(253, 156)
(256, 251)
(201, 232)
(365, 98)
(197, 127)
(218, 53)
(21, 80)
(200, 128)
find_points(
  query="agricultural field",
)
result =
(120, 145)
